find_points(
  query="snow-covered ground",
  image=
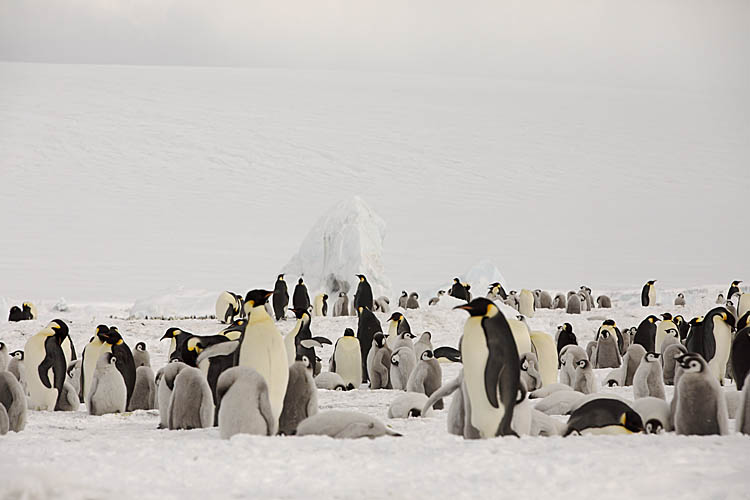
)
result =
(73, 455)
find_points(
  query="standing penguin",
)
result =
(301, 342)
(227, 307)
(700, 407)
(300, 298)
(301, 400)
(434, 300)
(682, 327)
(497, 291)
(379, 363)
(607, 353)
(244, 404)
(712, 339)
(403, 299)
(646, 333)
(108, 393)
(584, 381)
(164, 386)
(141, 357)
(543, 345)
(320, 307)
(413, 301)
(125, 363)
(668, 358)
(733, 289)
(347, 359)
(648, 294)
(604, 302)
(665, 328)
(91, 353)
(565, 336)
(363, 295)
(426, 377)
(403, 362)
(144, 392)
(397, 324)
(341, 307)
(526, 303)
(423, 344)
(261, 347)
(280, 298)
(367, 326)
(544, 299)
(492, 372)
(741, 356)
(649, 380)
(574, 304)
(13, 400)
(680, 299)
(45, 367)
(192, 405)
(17, 368)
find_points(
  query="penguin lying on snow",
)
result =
(604, 416)
(408, 405)
(344, 425)
(654, 413)
(331, 381)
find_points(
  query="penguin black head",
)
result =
(17, 354)
(379, 339)
(414, 412)
(325, 296)
(666, 316)
(652, 356)
(604, 334)
(608, 322)
(348, 332)
(257, 298)
(113, 336)
(415, 295)
(280, 277)
(403, 293)
(60, 328)
(696, 321)
(480, 307)
(651, 282)
(102, 331)
(632, 421)
(565, 327)
(299, 281)
(653, 426)
(744, 321)
(456, 281)
(427, 355)
(724, 314)
(397, 316)
(407, 335)
(652, 319)
(736, 282)
(692, 362)
(394, 359)
(362, 277)
(299, 313)
(140, 346)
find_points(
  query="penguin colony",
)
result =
(249, 378)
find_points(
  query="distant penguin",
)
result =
(280, 298)
(434, 300)
(16, 314)
(668, 357)
(164, 386)
(560, 301)
(648, 379)
(403, 299)
(654, 413)
(700, 407)
(367, 326)
(544, 299)
(363, 295)
(144, 392)
(526, 303)
(584, 381)
(565, 336)
(331, 381)
(458, 290)
(320, 307)
(340, 424)
(423, 344)
(192, 405)
(341, 307)
(604, 302)
(29, 310)
(574, 304)
(720, 299)
(530, 371)
(604, 416)
(17, 368)
(45, 365)
(607, 351)
(382, 304)
(426, 377)
(569, 356)
(347, 359)
(403, 362)
(141, 357)
(648, 294)
(108, 393)
(4, 357)
(301, 400)
(227, 307)
(13, 400)
(743, 410)
(712, 339)
(680, 299)
(397, 324)
(741, 356)
(646, 333)
(496, 292)
(379, 363)
(734, 288)
(409, 404)
(300, 298)
(586, 292)
(413, 301)
(244, 404)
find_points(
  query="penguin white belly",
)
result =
(743, 304)
(526, 304)
(92, 353)
(318, 308)
(289, 344)
(610, 430)
(40, 396)
(520, 335)
(67, 351)
(474, 353)
(723, 336)
(392, 337)
(546, 353)
(651, 296)
(348, 357)
(172, 347)
(263, 349)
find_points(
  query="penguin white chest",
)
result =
(348, 357)
(723, 336)
(651, 296)
(41, 397)
(290, 343)
(474, 354)
(520, 335)
(93, 351)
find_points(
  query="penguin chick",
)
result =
(17, 368)
(423, 344)
(403, 362)
(530, 371)
(700, 407)
(4, 357)
(569, 356)
(654, 413)
(69, 400)
(434, 300)
(403, 299)
(379, 363)
(141, 357)
(192, 404)
(244, 404)
(301, 399)
(409, 404)
(648, 379)
(604, 302)
(680, 299)
(413, 301)
(607, 351)
(331, 381)
(164, 385)
(382, 304)
(426, 377)
(585, 381)
(668, 358)
(341, 424)
(108, 392)
(13, 401)
(144, 392)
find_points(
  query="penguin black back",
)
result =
(701, 338)
(646, 333)
(300, 298)
(124, 361)
(741, 356)
(280, 297)
(363, 295)
(367, 326)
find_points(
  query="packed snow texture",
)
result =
(125, 456)
(347, 240)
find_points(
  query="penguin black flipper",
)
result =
(43, 369)
(403, 327)
(125, 364)
(322, 340)
(448, 352)
(229, 313)
(644, 295)
(740, 356)
(709, 341)
(494, 366)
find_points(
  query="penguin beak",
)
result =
(465, 307)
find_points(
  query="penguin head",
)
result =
(348, 332)
(378, 339)
(406, 335)
(426, 336)
(414, 294)
(678, 319)
(609, 322)
(397, 317)
(603, 333)
(681, 295)
(696, 321)
(325, 296)
(17, 354)
(744, 321)
(480, 307)
(140, 346)
(3, 347)
(565, 327)
(666, 316)
(652, 357)
(720, 297)
(456, 281)
(427, 355)
(170, 333)
(298, 312)
(280, 277)
(362, 278)
(652, 319)
(300, 281)
(721, 313)
(653, 426)
(194, 345)
(257, 297)
(403, 293)
(734, 283)
(113, 336)
(304, 360)
(631, 421)
(692, 362)
(651, 282)
(59, 327)
(583, 364)
(237, 325)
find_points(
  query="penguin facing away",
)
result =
(403, 363)
(341, 307)
(300, 298)
(280, 298)
(741, 356)
(743, 410)
(367, 326)
(13, 400)
(144, 392)
(426, 377)
(669, 356)
(164, 385)
(402, 300)
(192, 405)
(244, 404)
(604, 416)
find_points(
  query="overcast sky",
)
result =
(690, 44)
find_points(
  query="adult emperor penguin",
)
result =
(262, 348)
(458, 290)
(741, 356)
(646, 333)
(341, 307)
(700, 407)
(712, 339)
(320, 307)
(426, 377)
(301, 400)
(280, 298)
(680, 299)
(363, 295)
(300, 298)
(192, 405)
(63, 335)
(413, 301)
(682, 326)
(379, 363)
(496, 291)
(125, 363)
(648, 294)
(604, 416)
(227, 307)
(492, 372)
(733, 289)
(397, 324)
(665, 328)
(347, 359)
(403, 299)
(367, 326)
(743, 410)
(526, 303)
(45, 367)
(13, 400)
(649, 379)
(301, 341)
(244, 404)
(743, 305)
(565, 336)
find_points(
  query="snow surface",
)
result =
(73, 455)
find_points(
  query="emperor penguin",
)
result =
(340, 424)
(301, 400)
(544, 299)
(29, 310)
(63, 335)
(648, 379)
(404, 339)
(544, 347)
(730, 307)
(13, 400)
(45, 365)
(700, 407)
(382, 304)
(108, 393)
(584, 381)
(574, 304)
(176, 336)
(261, 347)
(367, 326)
(403, 363)
(741, 356)
(665, 328)
(607, 353)
(244, 404)
(521, 334)
(17, 368)
(141, 357)
(526, 303)
(125, 363)
(4, 357)
(331, 381)
(290, 339)
(569, 356)
(496, 291)
(16, 314)
(4, 421)
(423, 344)
(586, 291)
(426, 377)
(164, 386)
(347, 359)
(604, 302)
(720, 299)
(743, 305)
(434, 300)
(668, 358)
(743, 410)
(734, 288)
(413, 301)
(192, 404)
(144, 392)
(632, 360)
(654, 413)
(604, 416)
(403, 299)
(560, 301)
(363, 295)
(492, 371)
(680, 299)
(458, 290)
(300, 298)
(565, 336)
(712, 339)
(280, 298)
(397, 324)
(227, 307)
(683, 327)
(379, 363)
(530, 371)
(341, 307)
(648, 294)
(321, 305)
(646, 333)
